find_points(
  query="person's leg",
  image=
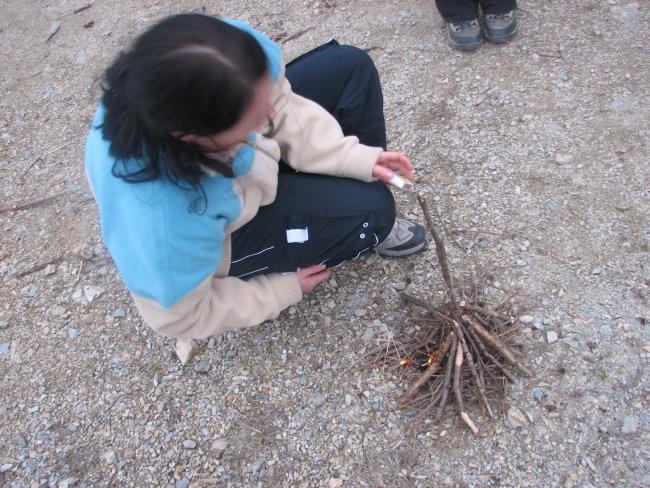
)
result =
(457, 10)
(495, 7)
(344, 81)
(315, 219)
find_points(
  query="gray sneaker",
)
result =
(501, 27)
(465, 35)
(405, 238)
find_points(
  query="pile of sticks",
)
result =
(461, 349)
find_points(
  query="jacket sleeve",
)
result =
(311, 139)
(220, 304)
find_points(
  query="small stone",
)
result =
(348, 399)
(218, 447)
(189, 444)
(119, 313)
(597, 271)
(318, 400)
(400, 286)
(21, 441)
(31, 465)
(108, 458)
(359, 312)
(5, 348)
(589, 463)
(72, 333)
(185, 350)
(202, 366)
(4, 325)
(516, 418)
(551, 336)
(68, 482)
(538, 394)
(368, 334)
(6, 467)
(563, 158)
(331, 304)
(49, 270)
(92, 292)
(335, 483)
(630, 425)
(526, 319)
(182, 483)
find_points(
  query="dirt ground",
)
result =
(533, 154)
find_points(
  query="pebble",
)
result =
(72, 333)
(182, 483)
(189, 444)
(360, 312)
(335, 483)
(92, 292)
(21, 441)
(185, 350)
(551, 336)
(526, 319)
(68, 482)
(119, 313)
(516, 418)
(563, 158)
(202, 366)
(4, 325)
(30, 466)
(318, 399)
(218, 447)
(108, 458)
(368, 334)
(5, 348)
(400, 286)
(49, 270)
(597, 271)
(538, 394)
(630, 425)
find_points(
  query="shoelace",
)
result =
(459, 26)
(505, 16)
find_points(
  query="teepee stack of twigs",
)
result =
(461, 349)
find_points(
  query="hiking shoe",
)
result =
(405, 238)
(501, 27)
(465, 35)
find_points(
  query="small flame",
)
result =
(432, 356)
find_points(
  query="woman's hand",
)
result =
(312, 276)
(390, 162)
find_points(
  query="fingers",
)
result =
(395, 161)
(312, 276)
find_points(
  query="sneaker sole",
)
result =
(501, 39)
(470, 46)
(403, 253)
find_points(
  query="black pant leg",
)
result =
(498, 6)
(339, 218)
(345, 82)
(457, 10)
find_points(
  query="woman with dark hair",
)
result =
(223, 193)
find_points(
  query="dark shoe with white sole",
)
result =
(465, 35)
(501, 27)
(404, 239)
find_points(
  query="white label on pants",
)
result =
(297, 235)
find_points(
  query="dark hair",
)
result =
(191, 74)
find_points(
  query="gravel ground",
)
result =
(535, 156)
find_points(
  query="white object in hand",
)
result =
(400, 182)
